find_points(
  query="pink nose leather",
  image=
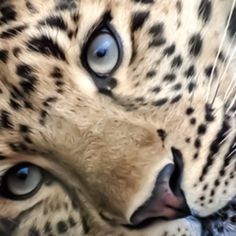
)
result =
(167, 200)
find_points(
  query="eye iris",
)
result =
(22, 180)
(103, 54)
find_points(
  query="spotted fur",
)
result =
(104, 147)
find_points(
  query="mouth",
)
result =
(167, 201)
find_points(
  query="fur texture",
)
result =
(174, 88)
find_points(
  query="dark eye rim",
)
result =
(6, 192)
(104, 27)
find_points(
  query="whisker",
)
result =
(228, 133)
(231, 92)
(233, 102)
(221, 77)
(231, 88)
(231, 153)
(219, 50)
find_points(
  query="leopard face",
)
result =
(117, 117)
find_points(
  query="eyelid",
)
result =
(105, 27)
(102, 81)
(4, 170)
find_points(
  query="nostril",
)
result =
(167, 200)
(175, 180)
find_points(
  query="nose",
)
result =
(167, 200)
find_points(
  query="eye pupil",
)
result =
(23, 173)
(101, 52)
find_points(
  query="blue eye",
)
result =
(21, 181)
(102, 53)
(23, 173)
